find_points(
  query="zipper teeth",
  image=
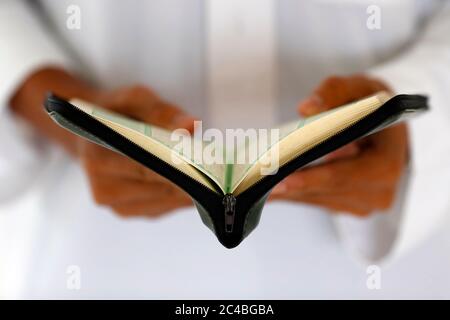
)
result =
(314, 146)
(141, 148)
(202, 184)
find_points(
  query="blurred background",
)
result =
(77, 221)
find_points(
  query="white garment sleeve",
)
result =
(423, 202)
(25, 47)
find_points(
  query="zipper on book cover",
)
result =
(138, 146)
(229, 203)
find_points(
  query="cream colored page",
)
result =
(252, 145)
(155, 140)
(309, 135)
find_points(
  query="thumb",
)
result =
(311, 106)
(183, 120)
(169, 116)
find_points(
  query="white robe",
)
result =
(231, 63)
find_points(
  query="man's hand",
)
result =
(358, 178)
(122, 184)
(127, 187)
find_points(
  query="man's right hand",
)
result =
(127, 187)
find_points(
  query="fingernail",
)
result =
(311, 105)
(184, 121)
(317, 100)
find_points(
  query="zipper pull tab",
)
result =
(229, 202)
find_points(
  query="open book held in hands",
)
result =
(230, 192)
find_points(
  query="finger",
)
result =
(141, 103)
(392, 140)
(347, 151)
(305, 180)
(387, 154)
(158, 192)
(336, 91)
(380, 199)
(131, 100)
(336, 205)
(149, 209)
(355, 200)
(311, 106)
(99, 161)
(169, 117)
(112, 190)
(348, 194)
(359, 172)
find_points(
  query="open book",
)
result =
(229, 186)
